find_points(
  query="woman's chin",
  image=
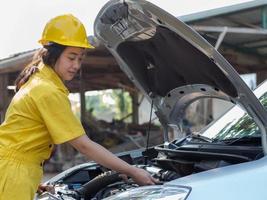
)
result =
(69, 78)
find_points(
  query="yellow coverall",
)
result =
(38, 116)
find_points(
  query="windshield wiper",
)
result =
(230, 141)
(201, 137)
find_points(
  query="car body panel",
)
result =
(242, 181)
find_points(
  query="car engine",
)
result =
(179, 159)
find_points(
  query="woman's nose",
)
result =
(77, 64)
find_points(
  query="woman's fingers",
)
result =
(46, 188)
(142, 177)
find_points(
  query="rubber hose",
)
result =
(88, 190)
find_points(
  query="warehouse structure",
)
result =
(238, 32)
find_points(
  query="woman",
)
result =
(40, 115)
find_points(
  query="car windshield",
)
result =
(236, 123)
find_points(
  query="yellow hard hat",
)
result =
(66, 30)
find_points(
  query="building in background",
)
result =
(238, 32)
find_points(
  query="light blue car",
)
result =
(174, 66)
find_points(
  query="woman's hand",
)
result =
(142, 177)
(45, 188)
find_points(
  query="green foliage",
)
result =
(96, 105)
(123, 103)
(115, 103)
(245, 126)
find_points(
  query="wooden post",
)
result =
(204, 112)
(207, 111)
(82, 97)
(4, 100)
(135, 107)
(261, 76)
(82, 101)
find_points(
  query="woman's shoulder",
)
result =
(40, 87)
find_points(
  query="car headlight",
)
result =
(154, 192)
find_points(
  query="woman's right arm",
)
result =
(103, 157)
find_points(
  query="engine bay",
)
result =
(178, 159)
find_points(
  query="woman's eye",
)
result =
(71, 58)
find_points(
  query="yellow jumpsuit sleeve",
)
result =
(61, 123)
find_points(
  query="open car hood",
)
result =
(170, 62)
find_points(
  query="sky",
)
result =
(22, 21)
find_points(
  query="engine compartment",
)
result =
(178, 159)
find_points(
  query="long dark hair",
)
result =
(49, 55)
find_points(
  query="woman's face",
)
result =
(69, 62)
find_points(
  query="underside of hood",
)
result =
(167, 61)
(170, 62)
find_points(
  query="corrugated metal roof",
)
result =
(16, 62)
(244, 42)
(223, 11)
